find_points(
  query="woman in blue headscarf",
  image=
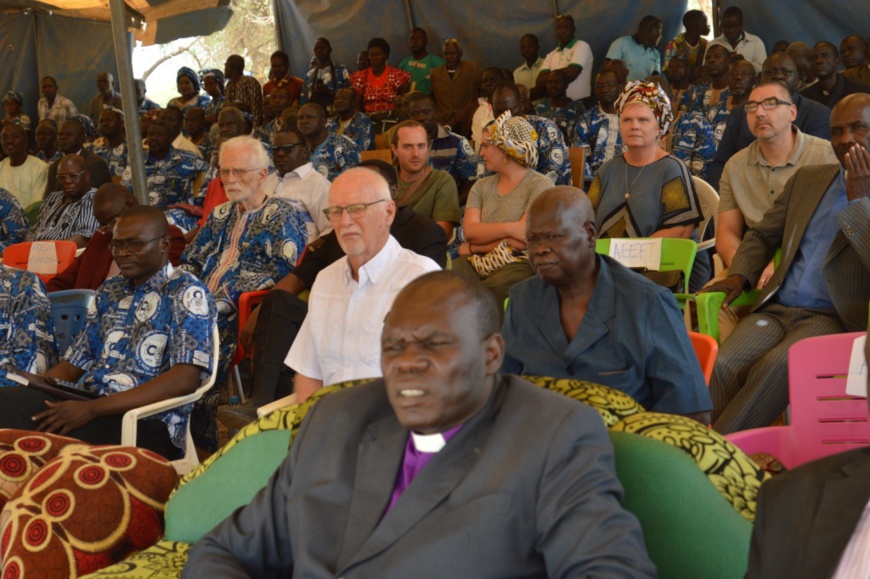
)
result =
(187, 82)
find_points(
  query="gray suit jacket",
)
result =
(806, 517)
(525, 489)
(847, 265)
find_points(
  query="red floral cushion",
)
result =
(84, 510)
(22, 453)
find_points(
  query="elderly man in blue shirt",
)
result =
(148, 338)
(585, 316)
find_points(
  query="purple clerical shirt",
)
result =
(413, 462)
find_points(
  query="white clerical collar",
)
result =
(428, 442)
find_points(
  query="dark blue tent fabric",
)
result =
(489, 31)
(71, 50)
(810, 21)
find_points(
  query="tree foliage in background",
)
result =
(250, 33)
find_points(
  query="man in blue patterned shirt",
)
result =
(14, 225)
(173, 177)
(552, 153)
(350, 122)
(330, 153)
(598, 130)
(247, 244)
(25, 323)
(148, 338)
(112, 146)
(557, 107)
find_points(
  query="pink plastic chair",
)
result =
(824, 419)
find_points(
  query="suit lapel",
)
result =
(379, 458)
(842, 501)
(806, 200)
(599, 313)
(428, 490)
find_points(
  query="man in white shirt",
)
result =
(306, 189)
(21, 174)
(527, 73)
(573, 57)
(735, 39)
(338, 340)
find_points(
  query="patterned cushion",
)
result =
(733, 473)
(610, 403)
(85, 509)
(22, 453)
(164, 560)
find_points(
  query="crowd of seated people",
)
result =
(268, 187)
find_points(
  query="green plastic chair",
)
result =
(708, 305)
(32, 211)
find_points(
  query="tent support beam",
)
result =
(123, 49)
(408, 15)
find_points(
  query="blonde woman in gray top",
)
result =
(495, 214)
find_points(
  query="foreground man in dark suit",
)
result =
(815, 520)
(519, 480)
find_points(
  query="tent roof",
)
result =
(151, 21)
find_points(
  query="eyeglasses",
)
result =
(130, 245)
(767, 104)
(356, 211)
(235, 172)
(69, 176)
(286, 149)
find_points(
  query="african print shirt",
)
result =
(552, 152)
(453, 153)
(694, 55)
(699, 97)
(359, 129)
(246, 90)
(264, 133)
(694, 142)
(214, 107)
(61, 219)
(14, 223)
(170, 179)
(147, 105)
(134, 334)
(598, 132)
(334, 155)
(115, 158)
(25, 323)
(202, 101)
(335, 83)
(240, 251)
(379, 92)
(58, 155)
(206, 146)
(565, 117)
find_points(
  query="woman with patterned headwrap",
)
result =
(646, 192)
(12, 103)
(213, 83)
(187, 82)
(494, 226)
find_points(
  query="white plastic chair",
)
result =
(277, 404)
(130, 422)
(709, 200)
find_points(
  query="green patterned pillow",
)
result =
(733, 473)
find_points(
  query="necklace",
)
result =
(627, 186)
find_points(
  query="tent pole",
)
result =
(123, 49)
(408, 15)
(555, 9)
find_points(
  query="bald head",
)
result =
(73, 176)
(361, 211)
(850, 120)
(781, 67)
(560, 237)
(111, 200)
(152, 218)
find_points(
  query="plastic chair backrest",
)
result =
(706, 349)
(577, 159)
(676, 254)
(18, 255)
(709, 200)
(379, 154)
(69, 309)
(826, 419)
(247, 301)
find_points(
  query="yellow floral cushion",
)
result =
(730, 470)
(161, 561)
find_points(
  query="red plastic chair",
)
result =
(706, 349)
(247, 302)
(824, 419)
(18, 255)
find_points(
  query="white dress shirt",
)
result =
(340, 338)
(308, 192)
